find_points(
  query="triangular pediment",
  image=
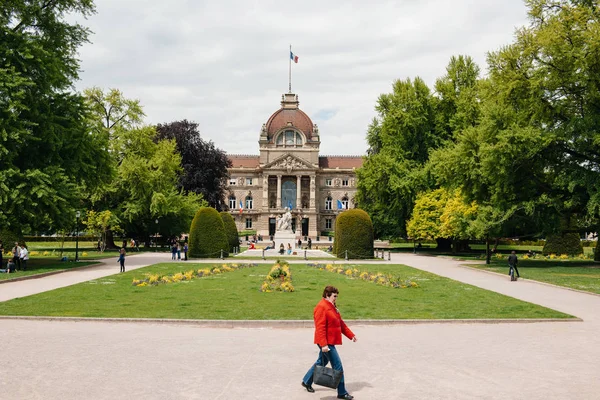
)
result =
(289, 162)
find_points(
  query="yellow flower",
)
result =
(563, 257)
(348, 272)
(153, 279)
(84, 254)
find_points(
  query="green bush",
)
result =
(9, 238)
(353, 233)
(207, 234)
(230, 230)
(567, 243)
(597, 251)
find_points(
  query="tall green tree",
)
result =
(204, 165)
(399, 141)
(536, 150)
(46, 150)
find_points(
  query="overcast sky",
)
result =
(224, 64)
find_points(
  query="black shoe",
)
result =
(346, 396)
(308, 388)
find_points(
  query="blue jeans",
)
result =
(336, 363)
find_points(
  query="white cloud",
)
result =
(224, 64)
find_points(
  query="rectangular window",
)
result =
(327, 223)
(344, 204)
(328, 182)
(232, 182)
(248, 223)
(232, 204)
(249, 203)
(328, 203)
(344, 182)
(249, 181)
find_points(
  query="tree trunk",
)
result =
(444, 244)
(110, 240)
(488, 255)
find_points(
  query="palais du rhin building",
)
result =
(289, 172)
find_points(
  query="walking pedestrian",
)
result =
(185, 250)
(178, 251)
(512, 263)
(309, 241)
(173, 250)
(122, 259)
(329, 328)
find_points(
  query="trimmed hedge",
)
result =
(597, 251)
(568, 243)
(207, 234)
(353, 233)
(230, 230)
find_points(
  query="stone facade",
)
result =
(289, 172)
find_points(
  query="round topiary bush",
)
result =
(230, 230)
(207, 234)
(354, 233)
(567, 243)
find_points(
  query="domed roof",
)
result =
(289, 115)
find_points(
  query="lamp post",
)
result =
(77, 215)
(156, 237)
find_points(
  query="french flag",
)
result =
(241, 207)
(293, 57)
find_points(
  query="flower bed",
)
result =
(156, 279)
(378, 278)
(540, 256)
(279, 279)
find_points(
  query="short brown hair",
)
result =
(329, 290)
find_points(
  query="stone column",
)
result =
(313, 191)
(265, 193)
(278, 205)
(298, 191)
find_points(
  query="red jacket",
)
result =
(329, 325)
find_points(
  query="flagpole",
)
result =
(290, 72)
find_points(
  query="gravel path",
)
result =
(119, 360)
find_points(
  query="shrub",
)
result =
(207, 234)
(597, 251)
(353, 233)
(567, 243)
(8, 239)
(230, 230)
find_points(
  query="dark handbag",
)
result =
(328, 377)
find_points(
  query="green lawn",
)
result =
(235, 295)
(581, 275)
(41, 265)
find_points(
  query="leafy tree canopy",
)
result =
(204, 165)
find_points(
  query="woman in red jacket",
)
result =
(328, 334)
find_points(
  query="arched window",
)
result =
(289, 139)
(249, 202)
(344, 203)
(232, 205)
(328, 203)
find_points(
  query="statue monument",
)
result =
(284, 234)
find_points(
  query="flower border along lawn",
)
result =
(236, 296)
(580, 275)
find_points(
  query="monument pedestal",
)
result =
(284, 237)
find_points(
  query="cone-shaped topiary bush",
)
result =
(597, 251)
(207, 234)
(567, 243)
(354, 233)
(230, 230)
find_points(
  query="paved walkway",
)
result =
(104, 360)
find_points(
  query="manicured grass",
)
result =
(41, 265)
(581, 275)
(235, 295)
